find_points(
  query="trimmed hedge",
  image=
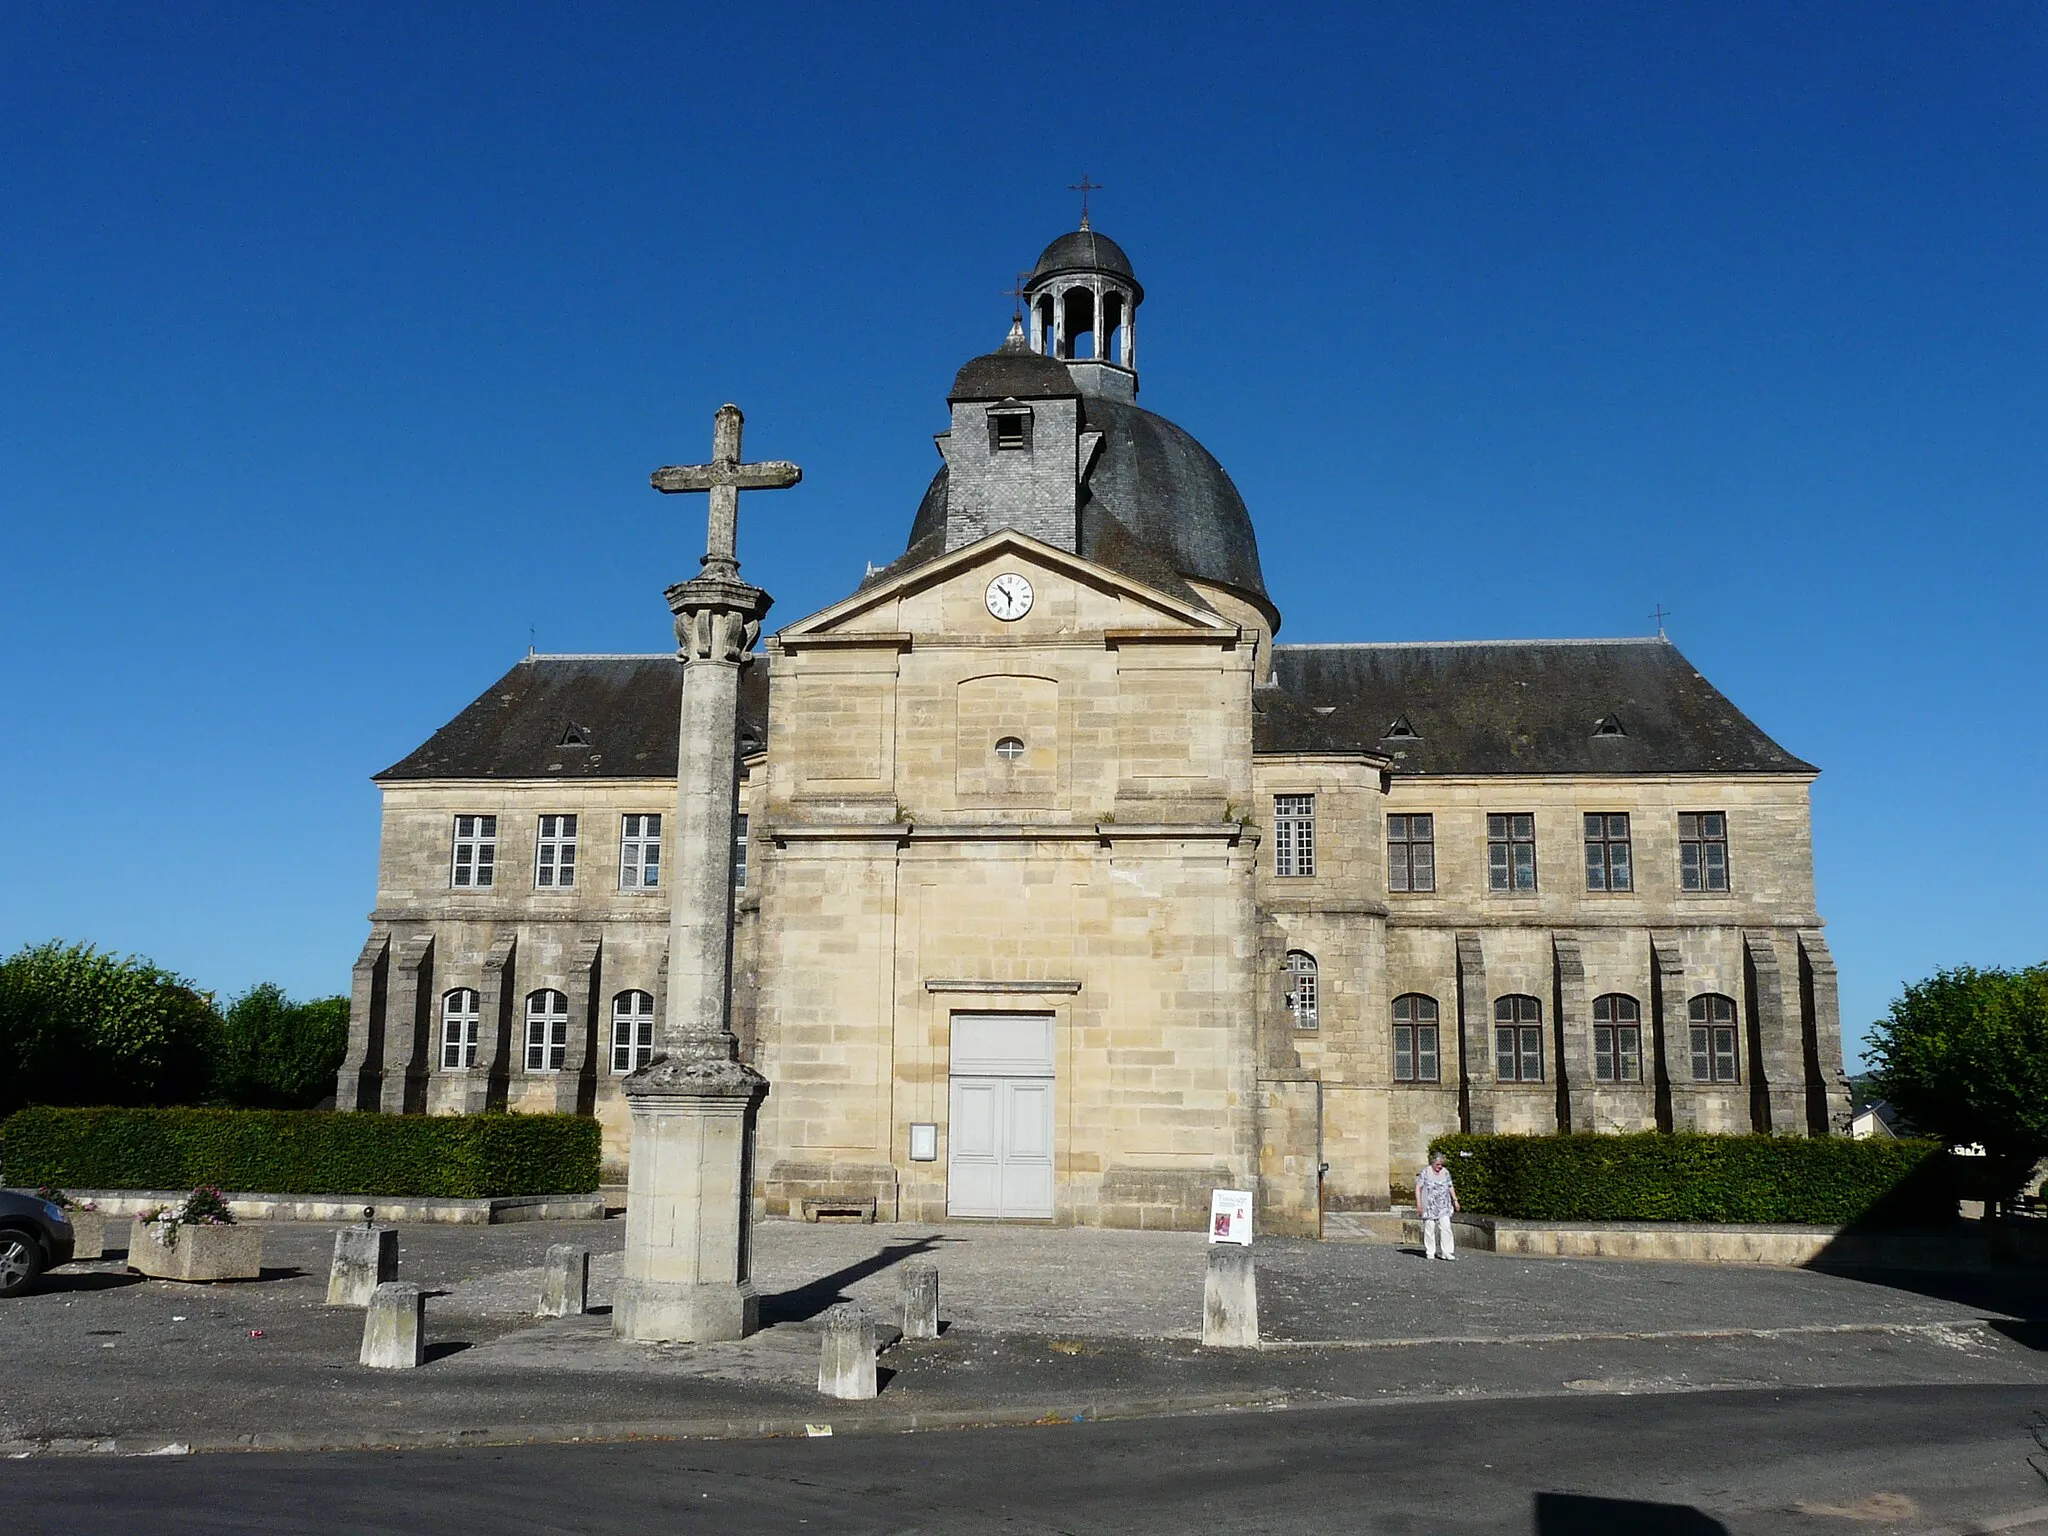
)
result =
(1651, 1176)
(301, 1152)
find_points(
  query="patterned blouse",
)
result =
(1433, 1189)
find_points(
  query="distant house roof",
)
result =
(576, 717)
(1511, 707)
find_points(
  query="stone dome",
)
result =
(1083, 250)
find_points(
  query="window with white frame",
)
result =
(1301, 989)
(547, 1031)
(1617, 1039)
(739, 853)
(632, 1031)
(639, 853)
(1294, 835)
(458, 1029)
(1415, 1039)
(476, 853)
(554, 854)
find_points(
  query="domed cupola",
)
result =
(1083, 300)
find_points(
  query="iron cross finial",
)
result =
(1660, 616)
(1084, 186)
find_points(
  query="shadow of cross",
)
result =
(725, 477)
(807, 1301)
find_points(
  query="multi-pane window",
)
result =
(1518, 1040)
(640, 853)
(554, 855)
(1608, 867)
(1617, 1039)
(1511, 853)
(739, 853)
(1415, 1040)
(1713, 1038)
(632, 1030)
(1702, 851)
(476, 852)
(1411, 853)
(1294, 834)
(547, 1031)
(1301, 989)
(458, 1029)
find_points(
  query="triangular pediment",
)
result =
(879, 608)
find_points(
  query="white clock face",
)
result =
(1009, 596)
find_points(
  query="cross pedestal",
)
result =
(689, 1191)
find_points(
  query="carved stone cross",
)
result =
(725, 477)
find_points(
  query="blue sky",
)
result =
(336, 345)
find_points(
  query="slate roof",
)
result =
(1013, 371)
(1512, 707)
(1083, 250)
(1156, 507)
(625, 707)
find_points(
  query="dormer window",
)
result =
(1009, 428)
(1609, 725)
(1399, 729)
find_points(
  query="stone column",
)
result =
(689, 1195)
(410, 1020)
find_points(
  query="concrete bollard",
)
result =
(846, 1358)
(565, 1281)
(364, 1258)
(1230, 1299)
(395, 1327)
(920, 1300)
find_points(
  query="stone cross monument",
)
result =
(689, 1198)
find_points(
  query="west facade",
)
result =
(1067, 894)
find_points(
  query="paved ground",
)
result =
(1917, 1460)
(1041, 1323)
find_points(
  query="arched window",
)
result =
(1518, 1040)
(1617, 1039)
(632, 1030)
(1301, 989)
(1713, 1038)
(458, 1029)
(547, 1030)
(1415, 1040)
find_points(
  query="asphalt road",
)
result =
(1915, 1459)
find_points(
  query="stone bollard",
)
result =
(920, 1300)
(364, 1258)
(1230, 1299)
(565, 1281)
(846, 1359)
(395, 1327)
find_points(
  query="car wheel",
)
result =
(21, 1260)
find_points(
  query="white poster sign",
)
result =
(1230, 1216)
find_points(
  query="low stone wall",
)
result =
(1965, 1247)
(258, 1207)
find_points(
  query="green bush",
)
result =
(1650, 1176)
(278, 1054)
(81, 1027)
(301, 1152)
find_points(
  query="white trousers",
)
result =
(1436, 1233)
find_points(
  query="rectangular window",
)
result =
(547, 1032)
(739, 853)
(1511, 853)
(1411, 853)
(1518, 1040)
(1294, 835)
(554, 856)
(640, 853)
(1617, 1039)
(476, 852)
(1607, 853)
(1713, 1039)
(1415, 1040)
(1702, 851)
(1009, 430)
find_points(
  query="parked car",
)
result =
(34, 1235)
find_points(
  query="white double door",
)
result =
(999, 1139)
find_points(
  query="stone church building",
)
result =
(1066, 893)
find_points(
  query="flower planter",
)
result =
(88, 1233)
(197, 1253)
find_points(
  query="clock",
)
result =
(1009, 596)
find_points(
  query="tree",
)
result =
(81, 1027)
(278, 1054)
(1964, 1056)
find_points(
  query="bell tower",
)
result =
(1083, 301)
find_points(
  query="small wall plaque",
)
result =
(924, 1143)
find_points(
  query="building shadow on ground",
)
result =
(808, 1301)
(1580, 1514)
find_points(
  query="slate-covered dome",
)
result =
(1083, 250)
(1013, 372)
